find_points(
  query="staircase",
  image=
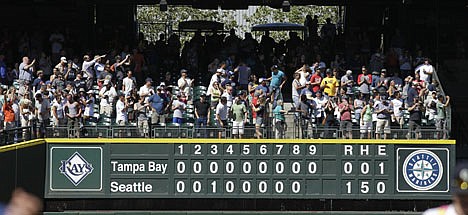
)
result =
(453, 75)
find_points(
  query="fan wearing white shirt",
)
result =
(128, 83)
(146, 90)
(87, 65)
(184, 82)
(121, 111)
(425, 71)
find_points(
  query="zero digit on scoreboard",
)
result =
(246, 186)
(262, 166)
(312, 167)
(247, 166)
(279, 167)
(296, 166)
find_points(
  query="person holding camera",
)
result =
(329, 122)
(384, 110)
(345, 118)
(364, 82)
(178, 106)
(414, 124)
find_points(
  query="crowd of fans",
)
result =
(226, 82)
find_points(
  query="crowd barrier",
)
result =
(21, 134)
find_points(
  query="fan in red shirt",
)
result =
(315, 80)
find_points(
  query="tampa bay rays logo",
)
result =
(422, 170)
(76, 168)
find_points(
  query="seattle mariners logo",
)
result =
(76, 168)
(422, 170)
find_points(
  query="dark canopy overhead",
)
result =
(278, 27)
(200, 25)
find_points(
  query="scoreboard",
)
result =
(282, 169)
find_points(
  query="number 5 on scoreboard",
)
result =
(364, 187)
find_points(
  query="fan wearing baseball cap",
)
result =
(459, 188)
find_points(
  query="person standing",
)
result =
(128, 83)
(146, 90)
(26, 112)
(441, 117)
(9, 114)
(345, 118)
(329, 85)
(221, 115)
(178, 106)
(347, 82)
(88, 102)
(158, 104)
(280, 120)
(397, 104)
(42, 113)
(141, 109)
(73, 113)
(316, 80)
(88, 64)
(364, 81)
(277, 80)
(58, 118)
(239, 117)
(259, 107)
(366, 119)
(305, 107)
(26, 69)
(297, 89)
(414, 123)
(243, 73)
(184, 82)
(202, 113)
(121, 111)
(383, 110)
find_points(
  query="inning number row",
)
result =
(231, 149)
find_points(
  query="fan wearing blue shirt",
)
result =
(277, 80)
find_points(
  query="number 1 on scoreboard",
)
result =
(181, 149)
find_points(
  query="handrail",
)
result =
(192, 132)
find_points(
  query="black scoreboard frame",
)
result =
(324, 169)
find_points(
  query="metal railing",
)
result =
(16, 135)
(270, 132)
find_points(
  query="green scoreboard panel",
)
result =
(283, 169)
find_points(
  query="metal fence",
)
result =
(248, 132)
